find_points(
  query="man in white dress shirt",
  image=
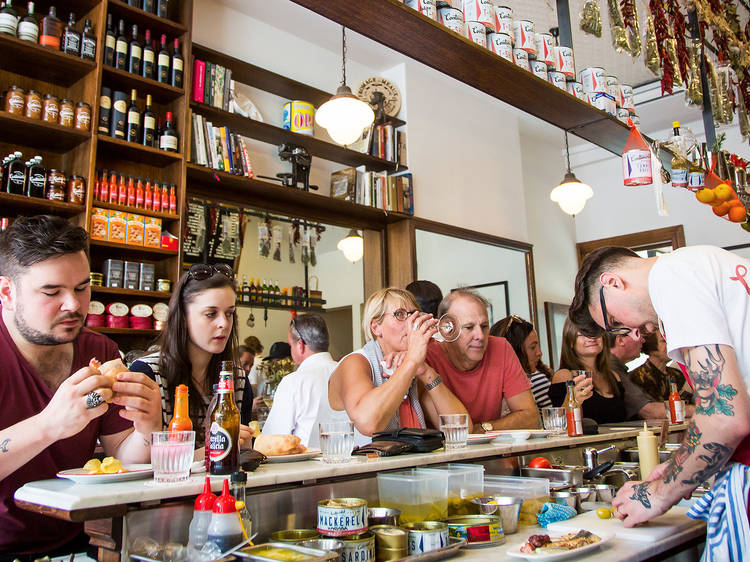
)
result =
(295, 405)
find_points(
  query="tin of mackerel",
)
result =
(342, 517)
(426, 536)
(478, 530)
(358, 548)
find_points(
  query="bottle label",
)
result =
(148, 56)
(28, 31)
(121, 106)
(636, 167)
(134, 118)
(177, 64)
(679, 177)
(110, 42)
(575, 424)
(678, 408)
(164, 60)
(122, 47)
(149, 123)
(219, 443)
(696, 180)
(135, 52)
(168, 142)
(72, 44)
(226, 384)
(8, 24)
(88, 48)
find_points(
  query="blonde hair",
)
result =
(375, 307)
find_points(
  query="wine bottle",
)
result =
(88, 42)
(149, 6)
(135, 52)
(149, 124)
(162, 62)
(134, 118)
(51, 30)
(245, 291)
(71, 38)
(168, 139)
(177, 65)
(118, 121)
(162, 8)
(149, 57)
(8, 19)
(28, 27)
(121, 48)
(110, 42)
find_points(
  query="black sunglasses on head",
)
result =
(506, 329)
(622, 331)
(296, 331)
(202, 271)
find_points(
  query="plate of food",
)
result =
(283, 448)
(293, 457)
(557, 547)
(514, 434)
(479, 438)
(107, 471)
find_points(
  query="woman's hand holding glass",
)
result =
(421, 328)
(584, 388)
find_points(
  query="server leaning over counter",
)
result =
(54, 401)
(699, 298)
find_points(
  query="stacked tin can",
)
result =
(345, 519)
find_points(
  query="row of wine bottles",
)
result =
(127, 122)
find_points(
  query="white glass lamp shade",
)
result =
(344, 116)
(571, 194)
(353, 246)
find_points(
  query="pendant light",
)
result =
(352, 246)
(572, 193)
(344, 115)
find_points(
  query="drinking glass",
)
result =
(589, 374)
(172, 455)
(554, 420)
(337, 441)
(448, 329)
(455, 427)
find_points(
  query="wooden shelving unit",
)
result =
(126, 332)
(114, 291)
(41, 63)
(140, 251)
(137, 152)
(145, 19)
(35, 132)
(120, 79)
(22, 204)
(144, 212)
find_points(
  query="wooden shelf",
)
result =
(280, 307)
(36, 133)
(257, 77)
(132, 250)
(125, 331)
(21, 203)
(276, 135)
(125, 81)
(213, 184)
(42, 63)
(156, 295)
(144, 19)
(137, 152)
(144, 212)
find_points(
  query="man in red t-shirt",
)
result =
(54, 402)
(482, 370)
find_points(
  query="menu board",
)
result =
(224, 242)
(194, 237)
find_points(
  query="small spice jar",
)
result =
(50, 108)
(163, 285)
(76, 189)
(15, 100)
(83, 116)
(67, 113)
(56, 185)
(33, 104)
(96, 278)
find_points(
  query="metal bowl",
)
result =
(565, 498)
(605, 492)
(507, 507)
(331, 545)
(383, 516)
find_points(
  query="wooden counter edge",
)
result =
(77, 515)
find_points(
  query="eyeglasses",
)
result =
(401, 314)
(622, 331)
(506, 329)
(296, 331)
(203, 271)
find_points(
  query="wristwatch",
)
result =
(434, 383)
(487, 426)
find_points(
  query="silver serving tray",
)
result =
(440, 554)
(318, 555)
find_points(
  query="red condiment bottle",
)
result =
(676, 405)
(131, 192)
(573, 412)
(139, 193)
(113, 191)
(122, 191)
(103, 187)
(164, 198)
(156, 200)
(181, 419)
(172, 200)
(148, 196)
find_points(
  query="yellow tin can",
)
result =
(299, 117)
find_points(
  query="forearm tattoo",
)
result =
(717, 455)
(640, 494)
(676, 462)
(4, 446)
(706, 365)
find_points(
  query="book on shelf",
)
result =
(219, 148)
(211, 84)
(374, 189)
(383, 141)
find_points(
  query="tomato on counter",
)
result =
(540, 462)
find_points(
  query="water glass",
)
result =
(455, 427)
(172, 455)
(589, 374)
(337, 441)
(554, 420)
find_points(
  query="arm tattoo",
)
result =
(4, 446)
(640, 494)
(687, 448)
(717, 455)
(706, 370)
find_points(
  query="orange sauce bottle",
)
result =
(573, 412)
(181, 419)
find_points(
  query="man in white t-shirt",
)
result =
(297, 398)
(699, 297)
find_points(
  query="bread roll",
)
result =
(109, 369)
(275, 445)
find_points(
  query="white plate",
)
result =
(292, 458)
(538, 433)
(515, 550)
(135, 472)
(479, 438)
(515, 434)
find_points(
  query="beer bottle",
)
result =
(224, 435)
(181, 419)
(573, 412)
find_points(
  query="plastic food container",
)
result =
(420, 494)
(465, 482)
(533, 491)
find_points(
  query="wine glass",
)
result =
(448, 329)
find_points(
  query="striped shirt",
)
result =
(540, 384)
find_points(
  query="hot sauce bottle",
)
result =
(122, 191)
(103, 186)
(147, 196)
(139, 193)
(573, 412)
(131, 192)
(181, 419)
(113, 191)
(676, 405)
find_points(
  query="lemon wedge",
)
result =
(93, 466)
(111, 465)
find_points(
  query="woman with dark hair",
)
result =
(201, 332)
(604, 403)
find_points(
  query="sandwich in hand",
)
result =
(109, 369)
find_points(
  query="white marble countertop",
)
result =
(64, 495)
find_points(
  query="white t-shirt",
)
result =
(297, 398)
(702, 296)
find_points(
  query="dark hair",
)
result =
(516, 330)
(445, 304)
(313, 330)
(569, 359)
(253, 344)
(587, 284)
(650, 343)
(244, 349)
(428, 295)
(31, 240)
(174, 362)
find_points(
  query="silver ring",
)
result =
(415, 327)
(93, 399)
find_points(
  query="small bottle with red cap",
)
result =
(204, 504)
(225, 529)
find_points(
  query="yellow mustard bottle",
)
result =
(648, 451)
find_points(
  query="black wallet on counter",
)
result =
(383, 448)
(421, 440)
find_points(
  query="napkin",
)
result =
(552, 512)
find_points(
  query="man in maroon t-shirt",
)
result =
(482, 370)
(54, 407)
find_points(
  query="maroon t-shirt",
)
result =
(24, 394)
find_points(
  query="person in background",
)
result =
(387, 385)
(247, 358)
(254, 346)
(297, 399)
(427, 294)
(54, 402)
(201, 332)
(603, 400)
(482, 370)
(655, 376)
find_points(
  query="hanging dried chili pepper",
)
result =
(679, 29)
(661, 31)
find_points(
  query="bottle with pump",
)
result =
(121, 47)
(202, 512)
(28, 27)
(181, 419)
(573, 412)
(225, 529)
(177, 65)
(135, 52)
(162, 62)
(110, 43)
(238, 484)
(8, 19)
(71, 43)
(224, 435)
(168, 139)
(676, 405)
(680, 164)
(88, 42)
(648, 451)
(149, 57)
(52, 29)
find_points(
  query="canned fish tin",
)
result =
(452, 18)
(521, 58)
(476, 32)
(538, 68)
(359, 548)
(389, 536)
(603, 101)
(299, 117)
(426, 536)
(613, 88)
(341, 517)
(593, 80)
(523, 36)
(504, 20)
(557, 79)
(545, 49)
(576, 88)
(481, 11)
(477, 529)
(424, 7)
(501, 44)
(564, 61)
(626, 93)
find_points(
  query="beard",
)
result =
(37, 337)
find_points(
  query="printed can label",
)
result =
(521, 58)
(480, 11)
(557, 79)
(523, 36)
(679, 177)
(539, 68)
(545, 48)
(476, 32)
(452, 18)
(626, 93)
(501, 44)
(504, 20)
(339, 518)
(696, 180)
(593, 81)
(636, 167)
(424, 7)
(576, 88)
(564, 61)
(613, 88)
(426, 541)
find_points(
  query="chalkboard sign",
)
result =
(224, 242)
(194, 238)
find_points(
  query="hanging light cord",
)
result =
(567, 150)
(343, 56)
